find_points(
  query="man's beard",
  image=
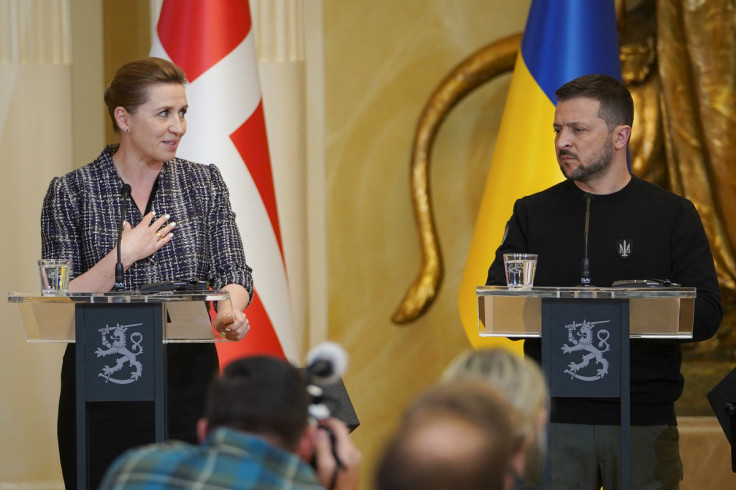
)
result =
(596, 167)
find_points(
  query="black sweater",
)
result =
(665, 239)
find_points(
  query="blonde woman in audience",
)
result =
(522, 383)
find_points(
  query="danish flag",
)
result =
(212, 41)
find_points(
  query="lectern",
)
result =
(585, 334)
(120, 355)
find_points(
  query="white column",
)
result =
(289, 62)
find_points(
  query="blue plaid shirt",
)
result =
(226, 459)
(81, 215)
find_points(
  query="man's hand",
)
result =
(341, 473)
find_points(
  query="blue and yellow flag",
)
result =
(562, 41)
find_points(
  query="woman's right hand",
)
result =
(148, 237)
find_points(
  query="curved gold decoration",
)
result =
(483, 65)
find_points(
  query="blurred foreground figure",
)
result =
(255, 434)
(521, 382)
(455, 436)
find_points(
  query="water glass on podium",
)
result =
(520, 269)
(54, 275)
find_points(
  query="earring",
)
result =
(127, 130)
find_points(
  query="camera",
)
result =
(325, 365)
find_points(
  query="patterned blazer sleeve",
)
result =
(60, 237)
(226, 245)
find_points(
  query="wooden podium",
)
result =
(585, 334)
(120, 354)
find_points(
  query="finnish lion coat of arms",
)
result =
(592, 342)
(115, 340)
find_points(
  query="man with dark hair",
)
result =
(255, 434)
(462, 435)
(616, 104)
(636, 231)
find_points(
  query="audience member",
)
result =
(255, 434)
(462, 435)
(521, 382)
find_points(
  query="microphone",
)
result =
(326, 363)
(585, 273)
(125, 193)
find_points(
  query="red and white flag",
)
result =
(212, 41)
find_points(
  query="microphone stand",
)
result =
(585, 275)
(125, 193)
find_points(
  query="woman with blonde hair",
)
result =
(521, 382)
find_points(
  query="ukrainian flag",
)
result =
(563, 39)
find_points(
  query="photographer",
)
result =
(255, 434)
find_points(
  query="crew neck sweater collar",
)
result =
(612, 198)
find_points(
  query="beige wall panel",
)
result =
(35, 117)
(48, 121)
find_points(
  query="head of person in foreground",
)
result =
(519, 380)
(463, 435)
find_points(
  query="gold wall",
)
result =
(382, 61)
(126, 36)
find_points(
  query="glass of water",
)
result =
(55, 275)
(520, 269)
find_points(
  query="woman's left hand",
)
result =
(232, 325)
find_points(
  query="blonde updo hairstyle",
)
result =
(128, 88)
